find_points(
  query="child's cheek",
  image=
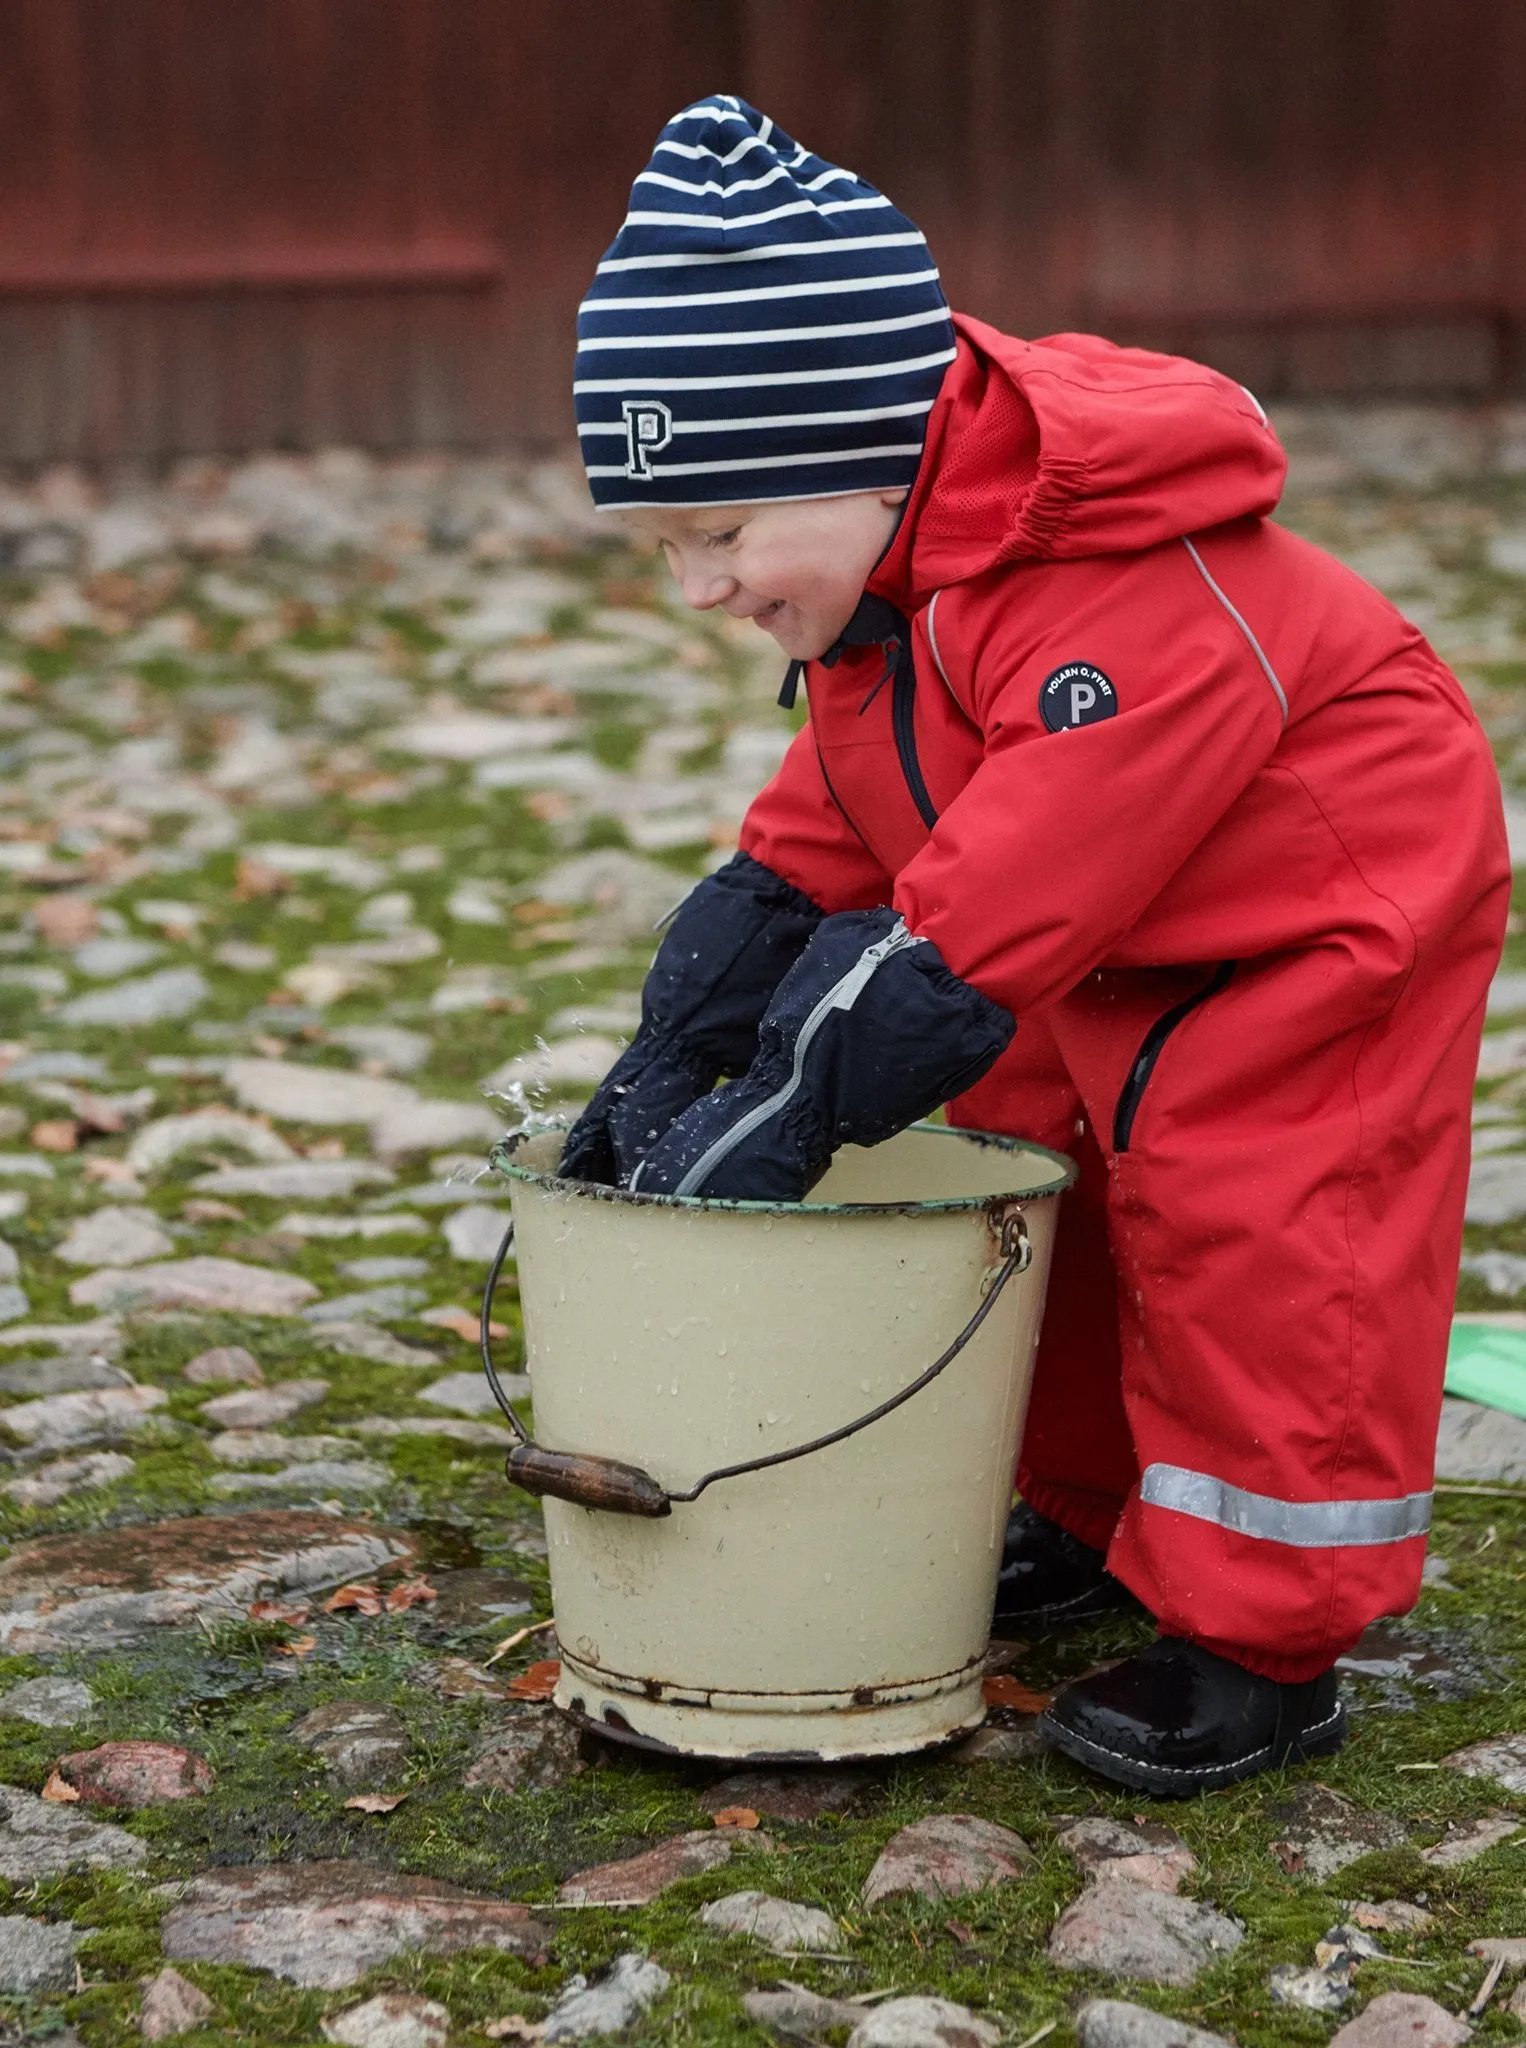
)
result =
(753, 568)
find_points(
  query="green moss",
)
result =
(228, 1692)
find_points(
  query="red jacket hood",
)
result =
(1073, 446)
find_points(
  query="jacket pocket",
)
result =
(1151, 1048)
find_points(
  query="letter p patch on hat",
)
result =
(648, 429)
(1076, 694)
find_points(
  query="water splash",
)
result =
(523, 1119)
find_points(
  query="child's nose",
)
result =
(705, 587)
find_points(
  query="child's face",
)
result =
(797, 568)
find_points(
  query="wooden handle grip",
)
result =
(587, 1481)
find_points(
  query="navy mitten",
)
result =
(868, 1032)
(730, 944)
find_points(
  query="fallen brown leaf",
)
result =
(736, 1817)
(548, 805)
(280, 1610)
(254, 878)
(383, 789)
(65, 920)
(60, 1791)
(299, 1646)
(512, 2028)
(111, 587)
(410, 1593)
(365, 1599)
(107, 864)
(375, 1802)
(108, 1171)
(467, 1326)
(1007, 1692)
(97, 1117)
(56, 1134)
(538, 1683)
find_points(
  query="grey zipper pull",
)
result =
(845, 993)
(668, 916)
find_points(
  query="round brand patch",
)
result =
(1076, 694)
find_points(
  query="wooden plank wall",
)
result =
(237, 223)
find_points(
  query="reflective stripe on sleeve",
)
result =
(1305, 1524)
(1250, 639)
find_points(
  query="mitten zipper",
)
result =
(842, 995)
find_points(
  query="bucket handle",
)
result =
(591, 1481)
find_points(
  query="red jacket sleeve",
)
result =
(795, 826)
(1060, 840)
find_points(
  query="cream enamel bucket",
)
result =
(837, 1605)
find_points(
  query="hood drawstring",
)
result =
(875, 623)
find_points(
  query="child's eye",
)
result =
(722, 540)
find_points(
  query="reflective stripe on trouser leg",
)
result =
(1305, 1524)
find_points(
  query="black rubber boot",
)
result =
(1048, 1578)
(1176, 1720)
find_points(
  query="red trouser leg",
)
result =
(1077, 1464)
(1286, 1217)
(1284, 1209)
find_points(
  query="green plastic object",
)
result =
(1488, 1364)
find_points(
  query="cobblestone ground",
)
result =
(332, 794)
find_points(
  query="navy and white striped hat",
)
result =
(764, 325)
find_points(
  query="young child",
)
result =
(1125, 822)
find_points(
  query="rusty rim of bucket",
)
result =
(501, 1160)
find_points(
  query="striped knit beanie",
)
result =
(764, 325)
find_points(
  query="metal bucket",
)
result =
(776, 1441)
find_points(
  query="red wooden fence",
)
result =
(235, 223)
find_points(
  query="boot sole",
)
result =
(1323, 1739)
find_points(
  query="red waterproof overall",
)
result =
(1213, 821)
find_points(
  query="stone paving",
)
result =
(338, 800)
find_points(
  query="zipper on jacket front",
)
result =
(903, 720)
(877, 623)
(1151, 1048)
(842, 995)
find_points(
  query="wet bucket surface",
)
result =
(839, 1605)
